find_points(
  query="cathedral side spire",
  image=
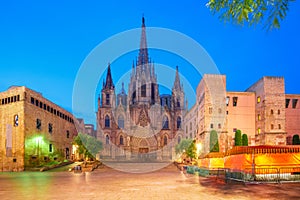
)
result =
(177, 85)
(109, 82)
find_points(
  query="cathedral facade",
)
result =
(141, 125)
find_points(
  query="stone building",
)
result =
(190, 123)
(140, 125)
(264, 112)
(292, 112)
(33, 130)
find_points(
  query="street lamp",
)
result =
(199, 148)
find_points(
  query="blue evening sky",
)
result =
(43, 43)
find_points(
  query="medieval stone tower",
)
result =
(141, 125)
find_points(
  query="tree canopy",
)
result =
(87, 145)
(244, 140)
(296, 140)
(268, 12)
(238, 138)
(188, 146)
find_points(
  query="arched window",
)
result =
(121, 140)
(165, 140)
(121, 121)
(107, 121)
(178, 122)
(165, 122)
(178, 103)
(143, 90)
(107, 139)
(178, 139)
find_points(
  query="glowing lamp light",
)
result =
(199, 148)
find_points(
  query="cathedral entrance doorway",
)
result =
(143, 154)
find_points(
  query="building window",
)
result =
(191, 125)
(279, 126)
(220, 110)
(41, 105)
(143, 90)
(219, 126)
(107, 121)
(50, 128)
(121, 140)
(258, 99)
(107, 99)
(211, 125)
(178, 139)
(227, 112)
(186, 129)
(278, 111)
(178, 122)
(227, 101)
(165, 122)
(272, 126)
(50, 148)
(272, 112)
(294, 103)
(165, 140)
(210, 110)
(38, 124)
(16, 120)
(68, 134)
(234, 101)
(258, 117)
(32, 100)
(287, 102)
(37, 102)
(258, 131)
(107, 139)
(178, 103)
(121, 121)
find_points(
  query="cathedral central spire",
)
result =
(143, 52)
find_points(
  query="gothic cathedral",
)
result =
(141, 125)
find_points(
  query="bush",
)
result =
(244, 140)
(238, 138)
(296, 140)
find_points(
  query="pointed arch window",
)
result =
(121, 121)
(178, 122)
(165, 122)
(165, 140)
(107, 121)
(178, 103)
(178, 139)
(121, 140)
(107, 139)
(143, 90)
(107, 99)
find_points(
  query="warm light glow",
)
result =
(199, 148)
(74, 149)
(39, 139)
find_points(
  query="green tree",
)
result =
(214, 142)
(244, 140)
(296, 140)
(87, 145)
(238, 138)
(268, 12)
(192, 150)
(183, 145)
(188, 146)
